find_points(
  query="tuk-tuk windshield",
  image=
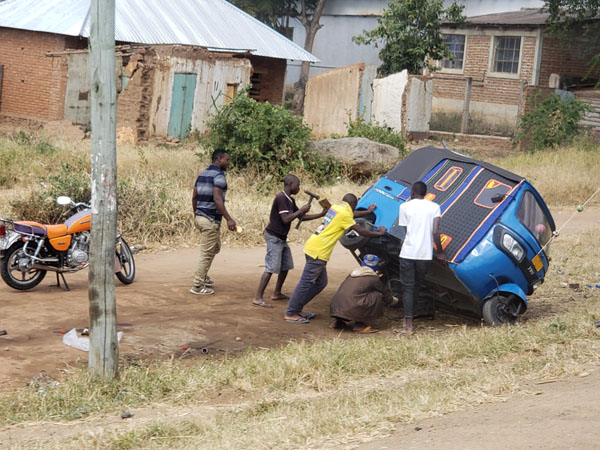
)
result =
(531, 214)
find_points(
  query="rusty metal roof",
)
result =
(213, 24)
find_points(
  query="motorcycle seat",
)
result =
(39, 229)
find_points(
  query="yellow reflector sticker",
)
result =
(537, 263)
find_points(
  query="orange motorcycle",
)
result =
(28, 250)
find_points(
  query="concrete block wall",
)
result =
(33, 84)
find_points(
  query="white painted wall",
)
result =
(387, 100)
(418, 105)
(211, 83)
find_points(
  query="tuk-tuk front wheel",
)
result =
(500, 310)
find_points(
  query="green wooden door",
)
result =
(182, 104)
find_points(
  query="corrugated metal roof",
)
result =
(525, 17)
(214, 24)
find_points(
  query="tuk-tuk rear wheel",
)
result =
(500, 310)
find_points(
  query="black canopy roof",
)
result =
(420, 162)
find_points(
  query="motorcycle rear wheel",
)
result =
(13, 275)
(127, 273)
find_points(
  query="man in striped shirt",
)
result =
(208, 201)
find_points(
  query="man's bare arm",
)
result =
(288, 217)
(364, 212)
(364, 232)
(220, 204)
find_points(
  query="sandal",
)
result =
(307, 315)
(262, 304)
(298, 320)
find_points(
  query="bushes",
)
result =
(266, 139)
(552, 122)
(377, 133)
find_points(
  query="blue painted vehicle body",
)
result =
(494, 227)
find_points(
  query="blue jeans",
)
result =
(412, 273)
(313, 281)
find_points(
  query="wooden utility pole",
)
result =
(104, 347)
(464, 125)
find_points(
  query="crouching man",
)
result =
(361, 298)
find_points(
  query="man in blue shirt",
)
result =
(208, 201)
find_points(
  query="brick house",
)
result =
(176, 62)
(508, 56)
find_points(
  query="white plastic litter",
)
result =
(81, 343)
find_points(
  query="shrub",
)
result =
(552, 122)
(267, 139)
(41, 206)
(376, 133)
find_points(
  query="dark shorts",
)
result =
(279, 257)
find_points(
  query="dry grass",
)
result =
(333, 393)
(156, 184)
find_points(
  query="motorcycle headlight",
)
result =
(510, 244)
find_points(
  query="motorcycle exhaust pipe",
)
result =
(56, 269)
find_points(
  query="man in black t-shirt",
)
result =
(279, 257)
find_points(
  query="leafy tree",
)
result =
(577, 20)
(277, 14)
(409, 34)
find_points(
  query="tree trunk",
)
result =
(311, 26)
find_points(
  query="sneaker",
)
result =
(208, 282)
(202, 290)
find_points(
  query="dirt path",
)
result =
(158, 315)
(561, 415)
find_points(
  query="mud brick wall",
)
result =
(268, 77)
(133, 102)
(492, 89)
(33, 84)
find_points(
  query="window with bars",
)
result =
(456, 44)
(506, 54)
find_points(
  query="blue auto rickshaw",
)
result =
(495, 230)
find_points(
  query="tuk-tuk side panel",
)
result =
(486, 267)
(386, 194)
(485, 225)
(463, 219)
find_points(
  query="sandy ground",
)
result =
(158, 315)
(561, 415)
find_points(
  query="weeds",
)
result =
(451, 122)
(551, 122)
(377, 133)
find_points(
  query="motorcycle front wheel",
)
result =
(14, 271)
(126, 274)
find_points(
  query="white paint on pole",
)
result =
(104, 347)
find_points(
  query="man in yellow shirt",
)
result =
(318, 249)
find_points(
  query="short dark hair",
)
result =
(419, 188)
(289, 179)
(351, 199)
(218, 153)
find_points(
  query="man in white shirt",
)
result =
(422, 219)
